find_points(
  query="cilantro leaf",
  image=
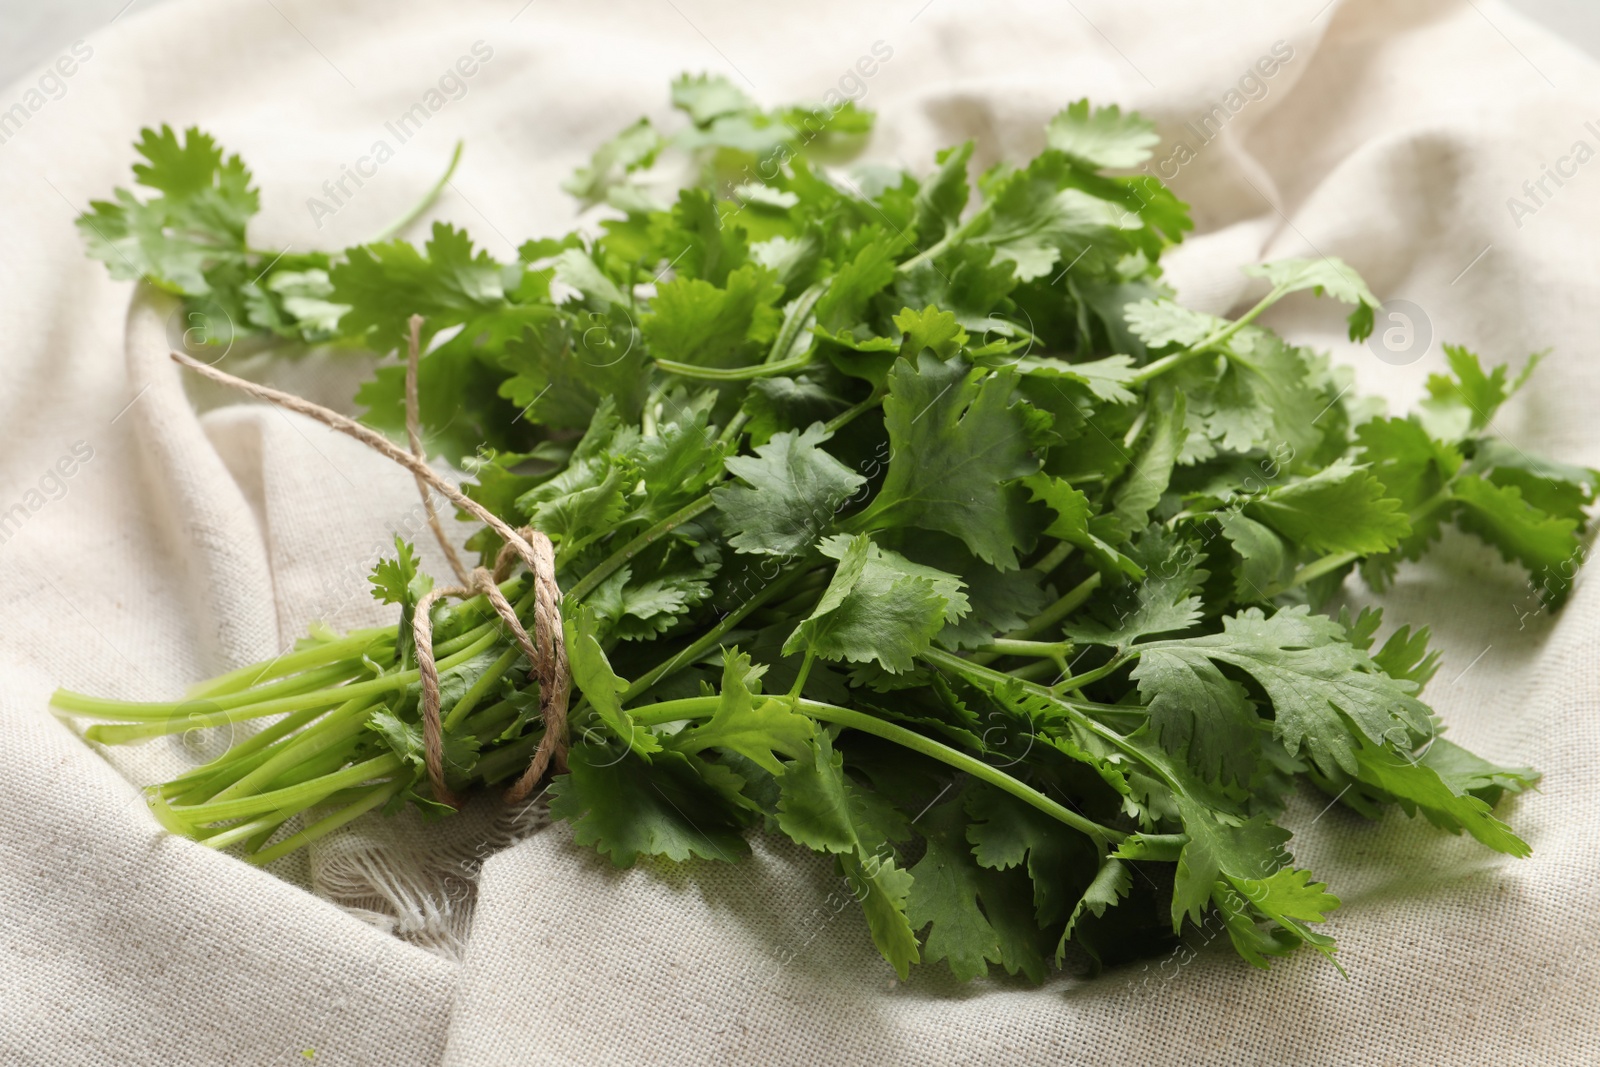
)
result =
(822, 808)
(1160, 323)
(1198, 712)
(1561, 489)
(1289, 899)
(695, 322)
(625, 807)
(1102, 138)
(599, 684)
(793, 490)
(1549, 547)
(1341, 508)
(1164, 602)
(1268, 395)
(639, 610)
(818, 805)
(1071, 523)
(944, 194)
(197, 223)
(970, 283)
(1111, 883)
(1329, 276)
(1263, 555)
(404, 738)
(1463, 772)
(1412, 466)
(879, 608)
(1151, 472)
(1007, 833)
(448, 282)
(957, 449)
(634, 148)
(1417, 786)
(397, 581)
(708, 97)
(1248, 848)
(964, 905)
(1467, 399)
(561, 367)
(868, 273)
(1309, 671)
(1036, 222)
(1107, 379)
(756, 727)
(884, 890)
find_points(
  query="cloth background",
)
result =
(193, 543)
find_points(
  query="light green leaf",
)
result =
(592, 673)
(1341, 508)
(1329, 276)
(1104, 138)
(757, 727)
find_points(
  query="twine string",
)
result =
(546, 650)
(414, 436)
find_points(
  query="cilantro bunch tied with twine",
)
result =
(908, 517)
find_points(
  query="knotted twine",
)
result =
(547, 655)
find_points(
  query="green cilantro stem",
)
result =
(1217, 338)
(510, 758)
(711, 638)
(851, 413)
(1054, 558)
(316, 789)
(977, 672)
(318, 655)
(959, 760)
(612, 563)
(704, 707)
(241, 754)
(730, 433)
(1316, 569)
(379, 795)
(735, 374)
(334, 758)
(1078, 681)
(97, 707)
(157, 719)
(979, 219)
(795, 319)
(1039, 669)
(1074, 709)
(802, 674)
(481, 685)
(650, 414)
(1136, 428)
(1002, 646)
(1064, 606)
(340, 724)
(404, 221)
(267, 825)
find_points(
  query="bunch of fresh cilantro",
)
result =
(907, 517)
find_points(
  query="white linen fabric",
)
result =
(184, 544)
